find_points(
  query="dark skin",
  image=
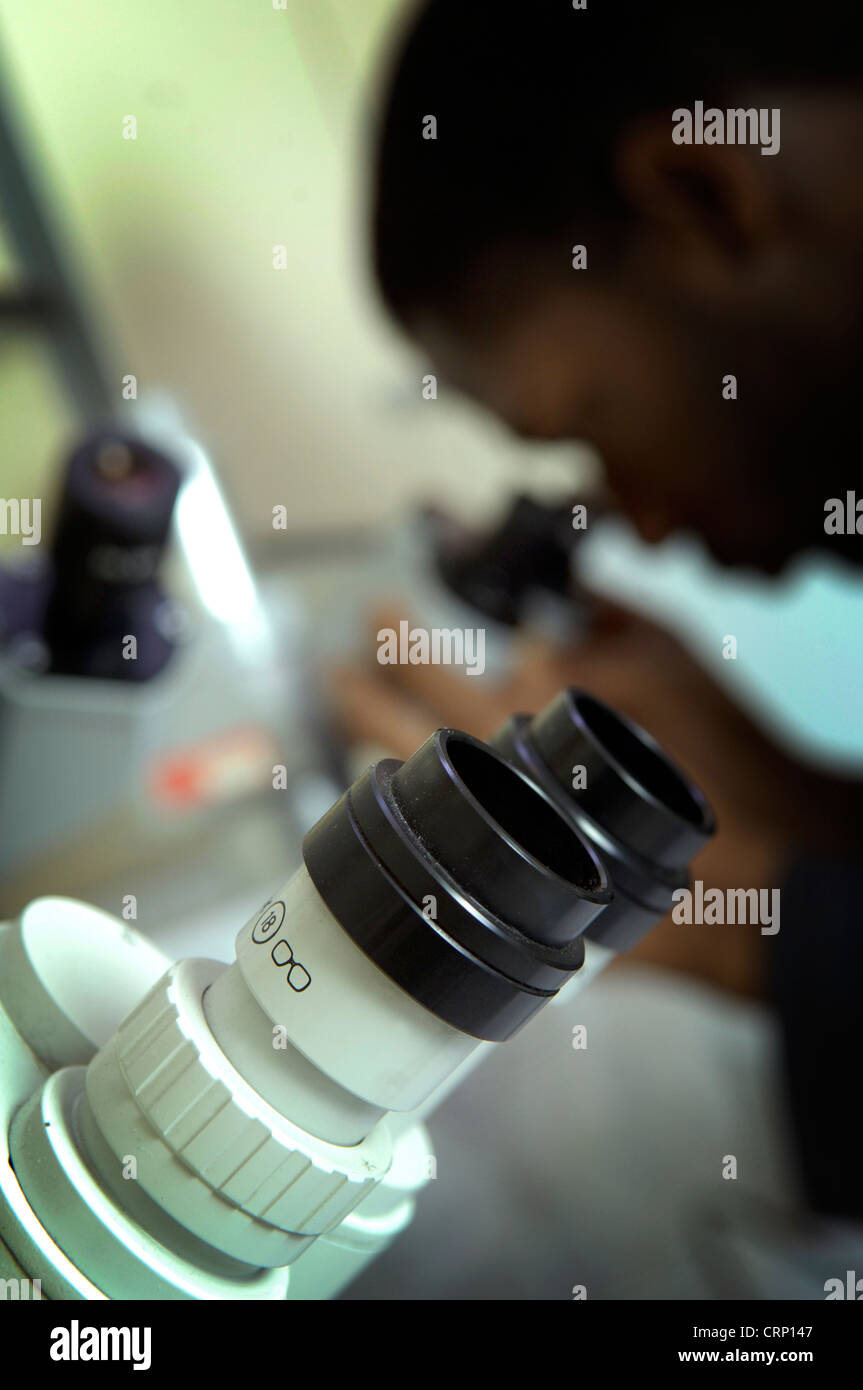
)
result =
(733, 263)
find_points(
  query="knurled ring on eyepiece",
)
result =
(218, 1127)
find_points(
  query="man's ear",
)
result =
(715, 201)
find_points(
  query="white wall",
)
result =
(252, 125)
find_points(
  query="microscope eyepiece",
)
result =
(619, 788)
(459, 878)
(270, 1109)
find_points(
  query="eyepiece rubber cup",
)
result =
(459, 878)
(644, 816)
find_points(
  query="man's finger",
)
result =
(368, 710)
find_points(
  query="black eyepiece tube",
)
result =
(617, 786)
(461, 880)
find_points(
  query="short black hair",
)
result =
(530, 99)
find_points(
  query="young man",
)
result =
(641, 226)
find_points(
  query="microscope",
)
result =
(255, 1130)
(518, 573)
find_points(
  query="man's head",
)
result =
(554, 128)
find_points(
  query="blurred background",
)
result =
(253, 131)
(219, 258)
